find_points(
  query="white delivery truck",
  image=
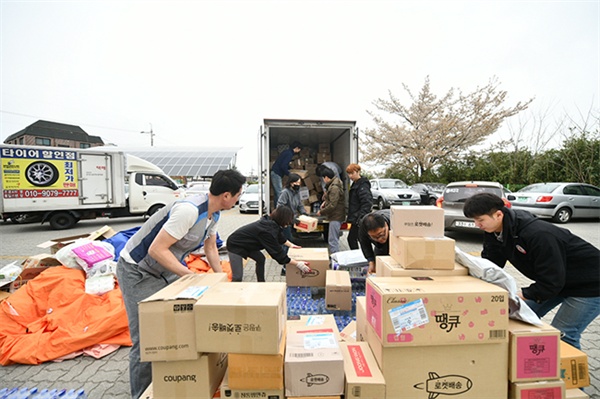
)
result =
(322, 141)
(64, 185)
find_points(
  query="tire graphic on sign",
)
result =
(41, 174)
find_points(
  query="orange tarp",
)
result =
(52, 316)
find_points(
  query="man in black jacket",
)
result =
(565, 269)
(360, 202)
(374, 236)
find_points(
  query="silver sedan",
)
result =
(560, 201)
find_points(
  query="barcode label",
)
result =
(301, 355)
(497, 334)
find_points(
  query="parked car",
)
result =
(429, 192)
(197, 187)
(388, 192)
(560, 201)
(453, 200)
(249, 199)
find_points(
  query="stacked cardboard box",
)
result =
(573, 367)
(534, 359)
(168, 340)
(314, 364)
(248, 321)
(439, 335)
(318, 260)
(417, 238)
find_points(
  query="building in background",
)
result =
(54, 134)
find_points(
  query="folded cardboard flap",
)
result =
(57, 243)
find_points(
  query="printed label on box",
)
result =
(359, 362)
(409, 316)
(320, 341)
(536, 356)
(192, 292)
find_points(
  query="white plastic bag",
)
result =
(487, 270)
(9, 273)
(88, 255)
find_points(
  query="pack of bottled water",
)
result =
(35, 393)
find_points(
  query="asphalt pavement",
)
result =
(108, 378)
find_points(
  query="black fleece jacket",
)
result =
(263, 234)
(559, 262)
(360, 200)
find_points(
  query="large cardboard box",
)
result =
(388, 267)
(423, 252)
(549, 389)
(148, 393)
(361, 318)
(534, 352)
(57, 243)
(440, 310)
(447, 371)
(318, 259)
(167, 329)
(314, 364)
(245, 317)
(338, 290)
(187, 379)
(227, 391)
(363, 377)
(306, 223)
(256, 372)
(323, 322)
(573, 367)
(417, 221)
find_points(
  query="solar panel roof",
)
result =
(187, 161)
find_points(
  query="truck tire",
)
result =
(41, 174)
(62, 220)
(153, 209)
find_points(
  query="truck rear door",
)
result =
(95, 179)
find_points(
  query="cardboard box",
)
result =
(148, 393)
(167, 327)
(338, 290)
(187, 379)
(364, 380)
(245, 317)
(440, 310)
(256, 372)
(57, 243)
(387, 266)
(442, 371)
(32, 267)
(419, 221)
(534, 352)
(314, 364)
(573, 367)
(303, 193)
(537, 390)
(575, 393)
(361, 318)
(306, 223)
(300, 172)
(318, 259)
(348, 334)
(423, 252)
(227, 391)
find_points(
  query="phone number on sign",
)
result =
(40, 193)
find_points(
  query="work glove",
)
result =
(303, 267)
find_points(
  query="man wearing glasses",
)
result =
(373, 235)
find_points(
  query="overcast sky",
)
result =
(206, 73)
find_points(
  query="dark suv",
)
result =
(453, 200)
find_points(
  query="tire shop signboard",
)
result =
(35, 173)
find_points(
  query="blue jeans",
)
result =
(277, 187)
(573, 316)
(334, 236)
